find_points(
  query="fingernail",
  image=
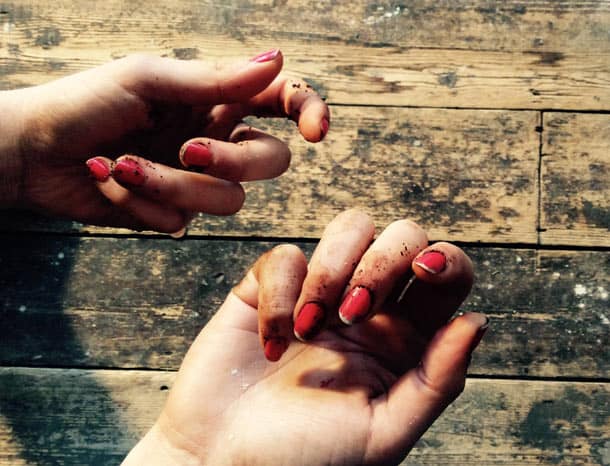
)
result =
(274, 348)
(181, 233)
(98, 168)
(356, 305)
(197, 154)
(432, 262)
(482, 330)
(128, 171)
(324, 127)
(266, 56)
(309, 321)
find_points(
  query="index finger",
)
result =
(197, 82)
(297, 100)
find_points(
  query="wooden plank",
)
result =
(576, 179)
(472, 54)
(462, 174)
(94, 417)
(135, 303)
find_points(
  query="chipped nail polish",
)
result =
(266, 56)
(432, 262)
(197, 154)
(323, 127)
(274, 348)
(128, 171)
(309, 321)
(356, 305)
(98, 168)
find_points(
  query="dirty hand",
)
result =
(377, 368)
(165, 113)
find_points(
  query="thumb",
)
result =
(421, 395)
(197, 82)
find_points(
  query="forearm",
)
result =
(11, 160)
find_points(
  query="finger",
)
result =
(179, 189)
(386, 262)
(249, 155)
(272, 286)
(421, 395)
(147, 214)
(343, 242)
(444, 278)
(295, 99)
(195, 82)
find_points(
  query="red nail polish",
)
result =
(197, 154)
(356, 305)
(309, 321)
(274, 348)
(98, 168)
(432, 262)
(266, 56)
(128, 171)
(323, 127)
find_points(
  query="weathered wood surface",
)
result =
(576, 179)
(462, 54)
(101, 302)
(76, 417)
(462, 174)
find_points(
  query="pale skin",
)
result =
(358, 394)
(149, 109)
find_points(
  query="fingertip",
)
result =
(274, 348)
(314, 119)
(99, 168)
(444, 263)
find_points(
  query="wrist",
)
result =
(11, 155)
(155, 449)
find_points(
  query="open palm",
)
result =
(351, 394)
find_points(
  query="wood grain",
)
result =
(136, 303)
(95, 417)
(576, 179)
(462, 174)
(474, 54)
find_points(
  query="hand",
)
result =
(356, 393)
(162, 112)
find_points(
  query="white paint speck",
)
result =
(580, 290)
(518, 259)
(417, 143)
(234, 372)
(489, 286)
(23, 308)
(60, 255)
(604, 319)
(36, 357)
(556, 275)
(602, 293)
